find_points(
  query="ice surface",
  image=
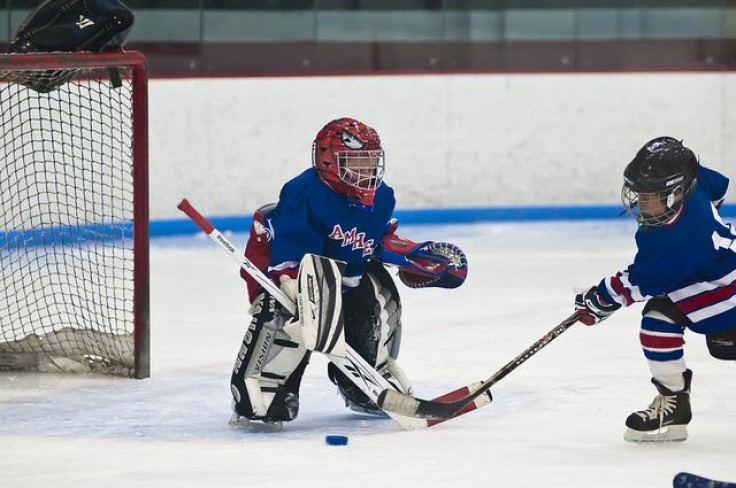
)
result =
(557, 421)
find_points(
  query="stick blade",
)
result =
(455, 395)
(397, 402)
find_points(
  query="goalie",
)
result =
(340, 209)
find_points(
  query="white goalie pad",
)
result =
(320, 305)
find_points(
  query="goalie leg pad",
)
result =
(372, 313)
(319, 299)
(270, 364)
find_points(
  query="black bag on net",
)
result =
(71, 26)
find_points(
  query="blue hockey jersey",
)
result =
(311, 218)
(692, 261)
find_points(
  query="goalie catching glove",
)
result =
(424, 264)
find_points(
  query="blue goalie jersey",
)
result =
(692, 261)
(311, 218)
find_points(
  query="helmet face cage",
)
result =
(348, 158)
(654, 208)
(658, 181)
(361, 170)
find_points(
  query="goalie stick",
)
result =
(397, 402)
(464, 391)
(362, 374)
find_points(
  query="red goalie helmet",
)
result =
(348, 157)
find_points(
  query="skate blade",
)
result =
(671, 433)
(255, 426)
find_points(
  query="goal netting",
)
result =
(74, 213)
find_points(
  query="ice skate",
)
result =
(255, 425)
(666, 418)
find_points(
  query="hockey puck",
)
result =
(336, 440)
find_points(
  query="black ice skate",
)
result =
(354, 398)
(264, 424)
(255, 425)
(666, 418)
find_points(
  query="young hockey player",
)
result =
(341, 209)
(685, 269)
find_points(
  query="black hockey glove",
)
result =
(592, 307)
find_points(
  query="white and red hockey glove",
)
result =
(424, 264)
(592, 307)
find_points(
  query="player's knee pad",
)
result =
(270, 364)
(722, 345)
(662, 308)
(662, 336)
(372, 314)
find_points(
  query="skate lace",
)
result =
(661, 406)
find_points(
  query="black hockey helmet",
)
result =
(658, 181)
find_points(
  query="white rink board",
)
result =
(451, 140)
(556, 422)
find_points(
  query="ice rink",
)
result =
(557, 421)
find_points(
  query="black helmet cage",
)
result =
(664, 171)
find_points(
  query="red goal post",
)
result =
(74, 257)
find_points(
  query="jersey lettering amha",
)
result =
(312, 218)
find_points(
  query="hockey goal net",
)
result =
(74, 213)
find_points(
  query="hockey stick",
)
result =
(689, 480)
(357, 369)
(462, 392)
(394, 401)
